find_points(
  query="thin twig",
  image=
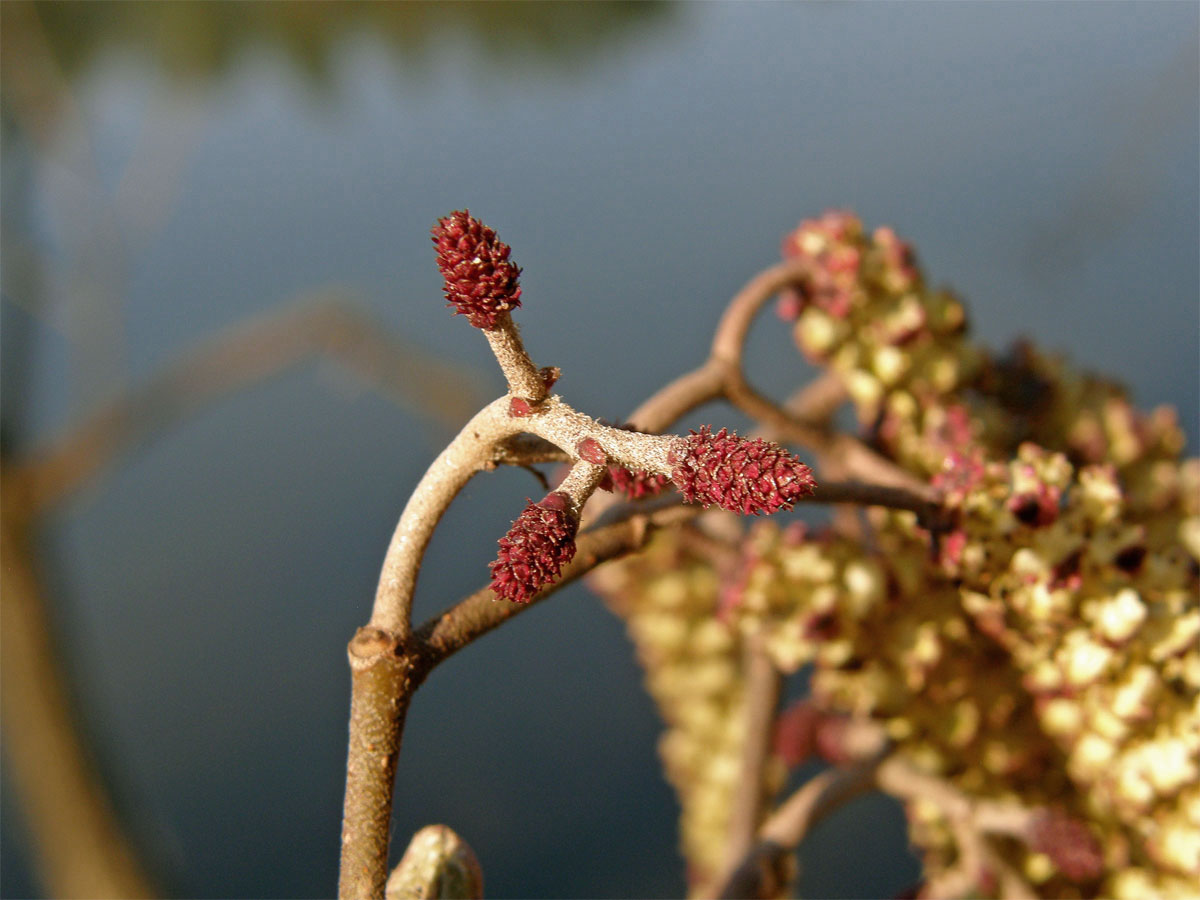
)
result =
(760, 873)
(763, 683)
(967, 818)
(472, 451)
(445, 634)
(469, 452)
(524, 379)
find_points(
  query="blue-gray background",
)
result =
(217, 161)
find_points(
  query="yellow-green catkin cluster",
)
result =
(693, 660)
(1044, 651)
(1049, 653)
(1048, 664)
(899, 348)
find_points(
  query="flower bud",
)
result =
(589, 450)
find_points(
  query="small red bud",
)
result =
(589, 450)
(519, 408)
(550, 374)
(556, 500)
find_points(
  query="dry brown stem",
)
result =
(803, 422)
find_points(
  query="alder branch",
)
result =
(723, 375)
(481, 283)
(386, 671)
(472, 451)
(406, 663)
(471, 618)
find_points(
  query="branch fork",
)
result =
(546, 547)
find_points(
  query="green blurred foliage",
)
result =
(199, 39)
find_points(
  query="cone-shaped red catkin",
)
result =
(741, 475)
(480, 281)
(540, 542)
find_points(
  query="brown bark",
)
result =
(382, 684)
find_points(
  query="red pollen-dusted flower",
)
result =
(1036, 508)
(1068, 843)
(480, 281)
(636, 485)
(741, 475)
(540, 542)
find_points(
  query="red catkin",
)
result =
(742, 475)
(480, 281)
(540, 542)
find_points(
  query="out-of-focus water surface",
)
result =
(171, 170)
